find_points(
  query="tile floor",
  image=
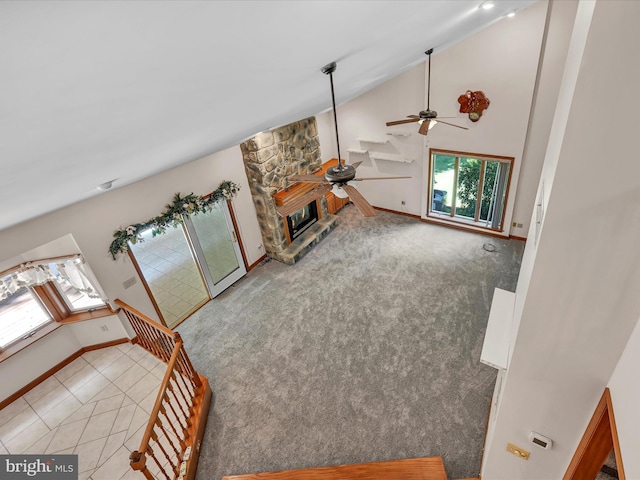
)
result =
(171, 273)
(96, 407)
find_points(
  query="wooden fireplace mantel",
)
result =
(300, 188)
(292, 193)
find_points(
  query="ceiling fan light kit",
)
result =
(428, 118)
(339, 192)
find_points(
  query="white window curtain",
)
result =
(74, 273)
(32, 274)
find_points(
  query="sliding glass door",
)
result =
(218, 248)
(187, 266)
(469, 189)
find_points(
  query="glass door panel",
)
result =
(217, 248)
(468, 181)
(494, 193)
(171, 273)
(216, 242)
(443, 181)
(488, 188)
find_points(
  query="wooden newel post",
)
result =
(138, 461)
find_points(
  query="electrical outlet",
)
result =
(260, 247)
(403, 202)
(128, 283)
(517, 451)
(516, 225)
(104, 328)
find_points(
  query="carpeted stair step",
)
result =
(428, 468)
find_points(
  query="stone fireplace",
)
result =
(270, 158)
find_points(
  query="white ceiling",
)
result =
(120, 90)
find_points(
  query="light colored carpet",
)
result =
(366, 350)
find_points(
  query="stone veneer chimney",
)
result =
(270, 159)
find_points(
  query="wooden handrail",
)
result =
(180, 411)
(142, 316)
(144, 443)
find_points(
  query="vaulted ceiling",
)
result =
(117, 91)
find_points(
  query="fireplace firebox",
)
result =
(299, 221)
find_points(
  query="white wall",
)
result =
(87, 228)
(560, 16)
(28, 364)
(31, 362)
(500, 60)
(581, 304)
(556, 79)
(92, 222)
(565, 20)
(90, 332)
(625, 396)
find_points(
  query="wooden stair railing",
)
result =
(174, 433)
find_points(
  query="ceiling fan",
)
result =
(426, 118)
(338, 180)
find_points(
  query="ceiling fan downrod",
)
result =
(328, 70)
(429, 52)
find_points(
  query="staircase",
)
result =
(428, 468)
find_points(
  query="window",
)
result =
(469, 189)
(38, 294)
(21, 314)
(75, 298)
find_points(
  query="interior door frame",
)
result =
(595, 446)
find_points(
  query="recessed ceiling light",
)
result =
(511, 14)
(488, 5)
(105, 186)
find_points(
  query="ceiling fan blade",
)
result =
(413, 116)
(453, 125)
(303, 200)
(377, 178)
(424, 127)
(400, 122)
(307, 178)
(359, 201)
(356, 164)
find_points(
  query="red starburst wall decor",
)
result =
(473, 103)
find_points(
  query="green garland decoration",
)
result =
(171, 217)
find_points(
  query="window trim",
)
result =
(56, 307)
(30, 333)
(68, 304)
(23, 343)
(58, 319)
(458, 221)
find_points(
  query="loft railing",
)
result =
(170, 445)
